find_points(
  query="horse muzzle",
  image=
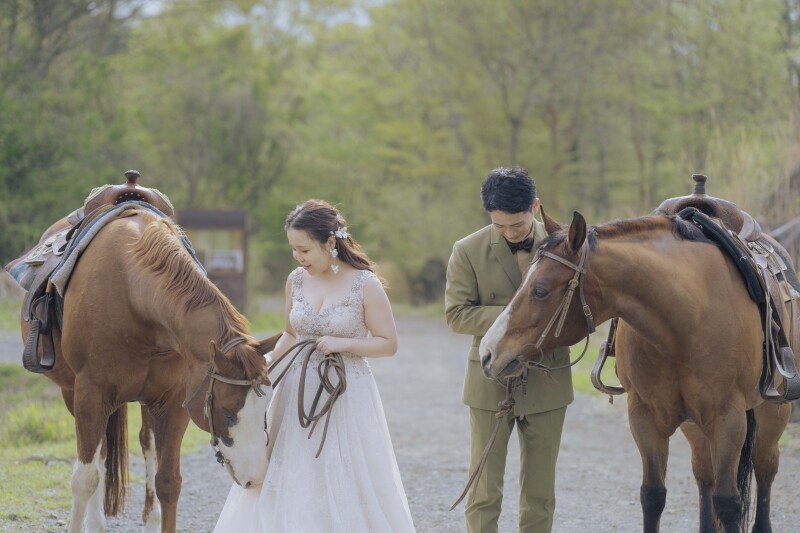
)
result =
(493, 369)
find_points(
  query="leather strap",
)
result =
(332, 362)
(506, 406)
(607, 349)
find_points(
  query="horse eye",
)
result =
(540, 293)
(229, 415)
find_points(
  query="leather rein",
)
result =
(332, 362)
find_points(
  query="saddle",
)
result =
(768, 274)
(33, 270)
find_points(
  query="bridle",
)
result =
(560, 314)
(212, 377)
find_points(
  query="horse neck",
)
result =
(185, 329)
(647, 283)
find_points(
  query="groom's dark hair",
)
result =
(508, 189)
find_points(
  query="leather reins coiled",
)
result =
(332, 362)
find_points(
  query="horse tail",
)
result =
(745, 473)
(116, 461)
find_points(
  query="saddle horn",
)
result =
(129, 191)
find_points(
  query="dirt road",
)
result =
(598, 472)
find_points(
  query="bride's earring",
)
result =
(334, 255)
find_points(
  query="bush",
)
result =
(429, 283)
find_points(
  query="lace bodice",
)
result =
(344, 318)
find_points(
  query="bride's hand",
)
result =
(327, 345)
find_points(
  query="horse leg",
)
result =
(654, 449)
(771, 421)
(703, 470)
(727, 439)
(88, 471)
(151, 514)
(170, 425)
(95, 513)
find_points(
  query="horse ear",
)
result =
(550, 225)
(577, 232)
(267, 345)
(212, 354)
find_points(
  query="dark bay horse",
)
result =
(143, 323)
(689, 348)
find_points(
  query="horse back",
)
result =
(98, 312)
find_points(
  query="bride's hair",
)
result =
(321, 220)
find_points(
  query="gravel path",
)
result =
(599, 469)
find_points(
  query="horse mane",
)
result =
(159, 250)
(679, 227)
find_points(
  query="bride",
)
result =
(354, 485)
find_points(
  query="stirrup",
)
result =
(30, 359)
(598, 368)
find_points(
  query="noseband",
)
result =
(207, 410)
(560, 314)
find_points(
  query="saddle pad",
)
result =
(23, 269)
(79, 242)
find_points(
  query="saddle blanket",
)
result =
(24, 269)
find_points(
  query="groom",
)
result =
(483, 274)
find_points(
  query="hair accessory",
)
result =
(341, 233)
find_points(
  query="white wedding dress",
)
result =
(354, 486)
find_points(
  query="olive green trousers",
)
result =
(539, 438)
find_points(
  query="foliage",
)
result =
(395, 110)
(266, 323)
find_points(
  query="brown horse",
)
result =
(689, 347)
(143, 323)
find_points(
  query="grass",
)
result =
(10, 313)
(266, 323)
(37, 445)
(581, 372)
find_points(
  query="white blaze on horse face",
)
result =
(498, 330)
(248, 455)
(492, 338)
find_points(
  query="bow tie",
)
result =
(526, 245)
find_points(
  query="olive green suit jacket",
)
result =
(482, 277)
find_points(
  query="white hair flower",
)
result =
(341, 233)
